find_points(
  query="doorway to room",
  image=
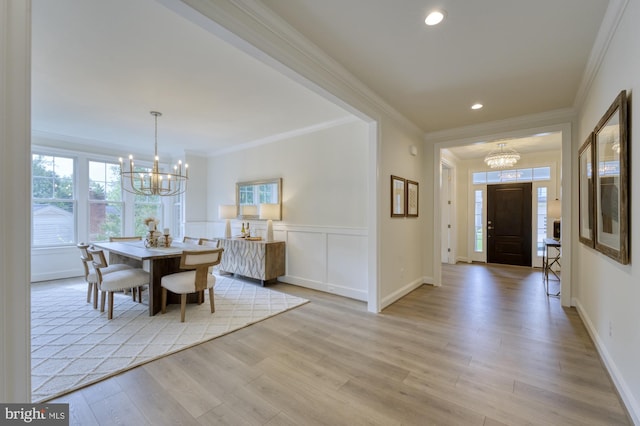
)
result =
(545, 159)
(509, 223)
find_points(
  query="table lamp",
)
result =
(269, 212)
(228, 212)
(554, 212)
(249, 211)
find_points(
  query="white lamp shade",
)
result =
(270, 211)
(227, 211)
(554, 209)
(249, 210)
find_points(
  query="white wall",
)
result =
(606, 292)
(15, 183)
(325, 193)
(405, 253)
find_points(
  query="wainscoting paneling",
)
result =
(329, 259)
(333, 260)
(347, 265)
(55, 263)
(306, 256)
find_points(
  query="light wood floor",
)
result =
(486, 348)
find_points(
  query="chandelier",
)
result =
(154, 182)
(502, 158)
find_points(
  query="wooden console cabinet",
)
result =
(261, 260)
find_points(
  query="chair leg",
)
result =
(89, 291)
(183, 306)
(140, 294)
(110, 313)
(133, 294)
(213, 307)
(163, 303)
(95, 296)
(102, 299)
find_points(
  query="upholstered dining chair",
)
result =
(90, 274)
(190, 240)
(215, 242)
(194, 281)
(138, 290)
(115, 281)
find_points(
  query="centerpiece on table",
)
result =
(152, 236)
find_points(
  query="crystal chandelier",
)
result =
(502, 158)
(154, 182)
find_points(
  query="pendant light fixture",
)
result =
(502, 157)
(148, 183)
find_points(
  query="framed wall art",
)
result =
(412, 198)
(398, 206)
(611, 220)
(586, 207)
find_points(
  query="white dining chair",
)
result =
(194, 281)
(90, 275)
(115, 281)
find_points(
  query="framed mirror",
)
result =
(585, 193)
(249, 196)
(611, 223)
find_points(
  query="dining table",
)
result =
(161, 261)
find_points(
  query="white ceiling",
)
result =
(99, 67)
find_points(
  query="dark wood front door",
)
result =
(509, 224)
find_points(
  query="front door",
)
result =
(509, 224)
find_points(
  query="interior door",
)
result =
(509, 224)
(446, 216)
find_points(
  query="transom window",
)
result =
(513, 175)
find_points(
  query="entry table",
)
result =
(549, 260)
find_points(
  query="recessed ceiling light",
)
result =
(434, 18)
(476, 106)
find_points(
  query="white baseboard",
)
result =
(398, 294)
(610, 365)
(57, 275)
(326, 287)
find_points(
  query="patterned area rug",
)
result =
(73, 345)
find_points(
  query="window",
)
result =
(144, 207)
(176, 228)
(105, 201)
(541, 231)
(478, 222)
(514, 175)
(53, 200)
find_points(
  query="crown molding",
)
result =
(547, 118)
(612, 17)
(254, 28)
(286, 135)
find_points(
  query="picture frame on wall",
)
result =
(610, 145)
(398, 185)
(586, 206)
(412, 198)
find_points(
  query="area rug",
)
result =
(73, 345)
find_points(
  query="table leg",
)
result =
(157, 269)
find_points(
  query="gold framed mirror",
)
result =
(250, 194)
